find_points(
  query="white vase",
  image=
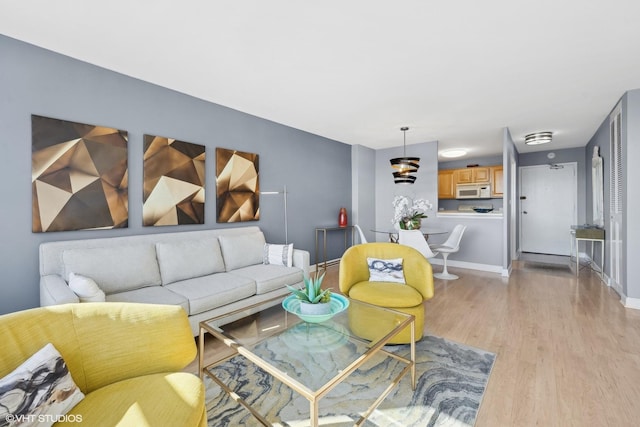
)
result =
(315, 309)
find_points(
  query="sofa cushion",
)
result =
(162, 399)
(209, 292)
(85, 288)
(269, 277)
(242, 250)
(151, 295)
(188, 258)
(42, 385)
(117, 269)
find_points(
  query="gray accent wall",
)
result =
(363, 190)
(510, 201)
(315, 170)
(426, 185)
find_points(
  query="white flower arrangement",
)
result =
(408, 213)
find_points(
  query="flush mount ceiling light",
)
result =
(405, 166)
(538, 138)
(453, 153)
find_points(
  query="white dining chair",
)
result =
(363, 239)
(416, 240)
(451, 245)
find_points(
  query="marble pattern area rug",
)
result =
(450, 381)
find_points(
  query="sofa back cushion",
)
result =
(116, 269)
(189, 259)
(242, 250)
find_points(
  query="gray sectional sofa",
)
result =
(207, 272)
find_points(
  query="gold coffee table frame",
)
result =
(313, 396)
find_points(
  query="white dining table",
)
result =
(426, 231)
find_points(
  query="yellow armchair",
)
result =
(408, 298)
(126, 358)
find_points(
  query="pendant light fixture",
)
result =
(405, 166)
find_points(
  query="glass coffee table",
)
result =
(291, 350)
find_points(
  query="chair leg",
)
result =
(445, 275)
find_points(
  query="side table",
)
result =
(591, 234)
(324, 230)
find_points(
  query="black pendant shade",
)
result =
(405, 166)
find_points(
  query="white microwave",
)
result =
(473, 191)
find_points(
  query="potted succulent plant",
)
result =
(313, 299)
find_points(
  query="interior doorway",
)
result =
(548, 207)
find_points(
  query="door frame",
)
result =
(575, 196)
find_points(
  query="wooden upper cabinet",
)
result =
(472, 175)
(463, 176)
(446, 184)
(481, 175)
(497, 181)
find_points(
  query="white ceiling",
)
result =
(456, 71)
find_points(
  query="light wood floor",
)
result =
(568, 353)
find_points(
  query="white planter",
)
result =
(315, 309)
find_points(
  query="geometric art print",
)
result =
(79, 176)
(237, 186)
(174, 182)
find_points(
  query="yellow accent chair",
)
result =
(127, 359)
(407, 298)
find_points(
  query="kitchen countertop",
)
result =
(466, 214)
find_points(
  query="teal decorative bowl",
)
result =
(338, 303)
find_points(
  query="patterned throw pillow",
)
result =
(278, 254)
(40, 391)
(385, 270)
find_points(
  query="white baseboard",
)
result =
(506, 272)
(631, 302)
(468, 265)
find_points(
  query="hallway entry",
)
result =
(548, 207)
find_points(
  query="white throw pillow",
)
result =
(40, 391)
(278, 254)
(86, 288)
(385, 270)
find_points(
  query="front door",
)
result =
(548, 208)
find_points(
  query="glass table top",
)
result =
(312, 354)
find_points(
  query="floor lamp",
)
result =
(286, 226)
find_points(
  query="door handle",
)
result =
(524, 212)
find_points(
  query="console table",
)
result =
(324, 230)
(588, 233)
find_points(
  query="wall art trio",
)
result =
(79, 176)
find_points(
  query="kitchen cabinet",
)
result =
(497, 181)
(479, 175)
(446, 184)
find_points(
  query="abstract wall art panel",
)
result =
(174, 181)
(238, 189)
(79, 176)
